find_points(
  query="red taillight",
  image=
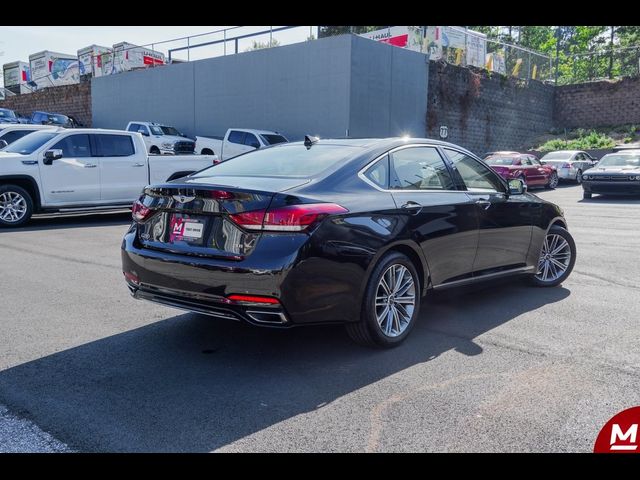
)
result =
(139, 212)
(131, 277)
(253, 299)
(292, 218)
(216, 161)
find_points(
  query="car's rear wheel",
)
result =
(553, 180)
(207, 151)
(16, 206)
(391, 303)
(154, 150)
(557, 258)
(579, 177)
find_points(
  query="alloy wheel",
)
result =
(579, 177)
(13, 207)
(395, 300)
(553, 181)
(555, 258)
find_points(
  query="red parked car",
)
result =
(524, 166)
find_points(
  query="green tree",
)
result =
(256, 45)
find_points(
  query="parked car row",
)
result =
(8, 116)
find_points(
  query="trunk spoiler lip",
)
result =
(182, 185)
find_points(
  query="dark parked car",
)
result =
(525, 167)
(347, 231)
(45, 118)
(615, 174)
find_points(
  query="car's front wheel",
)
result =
(557, 258)
(579, 177)
(391, 303)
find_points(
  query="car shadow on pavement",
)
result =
(191, 383)
(57, 221)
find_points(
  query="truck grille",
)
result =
(184, 147)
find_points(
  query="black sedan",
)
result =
(615, 174)
(346, 231)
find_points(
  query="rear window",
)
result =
(14, 135)
(557, 156)
(270, 139)
(284, 161)
(501, 160)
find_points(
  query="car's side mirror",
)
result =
(3, 143)
(517, 186)
(51, 155)
(143, 132)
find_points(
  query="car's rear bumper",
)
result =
(309, 289)
(612, 188)
(567, 173)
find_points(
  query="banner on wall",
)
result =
(409, 37)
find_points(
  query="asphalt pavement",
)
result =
(506, 367)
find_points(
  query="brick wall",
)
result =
(598, 104)
(486, 112)
(72, 100)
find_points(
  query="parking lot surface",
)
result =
(506, 367)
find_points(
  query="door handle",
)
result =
(483, 203)
(138, 165)
(413, 207)
(90, 165)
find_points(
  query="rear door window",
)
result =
(236, 137)
(419, 168)
(114, 145)
(251, 141)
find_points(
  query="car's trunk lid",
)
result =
(195, 217)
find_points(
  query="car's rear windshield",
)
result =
(282, 161)
(613, 160)
(501, 160)
(271, 139)
(30, 143)
(556, 156)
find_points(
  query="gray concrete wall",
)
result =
(326, 87)
(388, 90)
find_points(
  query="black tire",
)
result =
(557, 230)
(586, 195)
(28, 205)
(553, 181)
(154, 150)
(206, 151)
(579, 177)
(367, 331)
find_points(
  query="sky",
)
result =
(18, 42)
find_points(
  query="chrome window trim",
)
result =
(477, 159)
(361, 172)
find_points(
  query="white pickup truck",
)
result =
(237, 141)
(162, 139)
(77, 169)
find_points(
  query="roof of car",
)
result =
(566, 151)
(391, 142)
(26, 126)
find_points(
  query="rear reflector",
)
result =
(292, 218)
(253, 299)
(131, 277)
(139, 212)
